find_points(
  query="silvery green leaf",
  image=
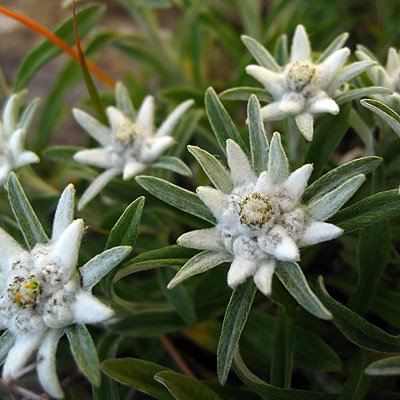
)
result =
(201, 262)
(217, 173)
(6, 342)
(235, 319)
(123, 101)
(385, 112)
(260, 53)
(174, 195)
(387, 366)
(339, 175)
(259, 146)
(324, 207)
(292, 277)
(336, 44)
(278, 164)
(84, 352)
(244, 93)
(100, 265)
(282, 50)
(173, 164)
(27, 220)
(27, 115)
(354, 94)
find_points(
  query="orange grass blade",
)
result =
(107, 80)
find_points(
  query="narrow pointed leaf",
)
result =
(292, 277)
(173, 164)
(355, 94)
(260, 53)
(6, 342)
(336, 44)
(235, 319)
(244, 93)
(84, 352)
(387, 366)
(27, 220)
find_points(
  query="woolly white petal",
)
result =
(272, 81)
(201, 239)
(272, 112)
(292, 103)
(116, 118)
(239, 164)
(16, 142)
(10, 113)
(88, 310)
(46, 367)
(264, 184)
(330, 67)
(99, 157)
(5, 170)
(172, 120)
(297, 182)
(11, 252)
(65, 212)
(240, 269)
(305, 123)
(19, 354)
(25, 158)
(278, 164)
(66, 249)
(324, 105)
(278, 244)
(301, 49)
(213, 199)
(152, 148)
(263, 276)
(318, 232)
(97, 185)
(145, 117)
(393, 61)
(132, 168)
(94, 128)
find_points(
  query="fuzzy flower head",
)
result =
(42, 292)
(387, 76)
(130, 144)
(262, 221)
(13, 130)
(302, 88)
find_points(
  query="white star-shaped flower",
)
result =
(302, 88)
(13, 130)
(262, 220)
(130, 145)
(42, 292)
(387, 76)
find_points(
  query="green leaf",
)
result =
(84, 352)
(372, 258)
(86, 18)
(375, 208)
(355, 328)
(137, 374)
(27, 220)
(336, 44)
(217, 173)
(184, 387)
(292, 277)
(339, 175)
(327, 136)
(259, 146)
(28, 114)
(180, 198)
(282, 50)
(235, 319)
(6, 342)
(220, 121)
(63, 154)
(387, 366)
(269, 392)
(260, 53)
(173, 164)
(383, 111)
(244, 93)
(355, 94)
(125, 231)
(201, 262)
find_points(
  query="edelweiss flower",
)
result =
(388, 76)
(130, 145)
(262, 221)
(302, 88)
(42, 292)
(13, 131)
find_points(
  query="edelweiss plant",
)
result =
(130, 144)
(13, 130)
(43, 292)
(303, 88)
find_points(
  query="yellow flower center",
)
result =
(255, 209)
(24, 291)
(300, 74)
(126, 132)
